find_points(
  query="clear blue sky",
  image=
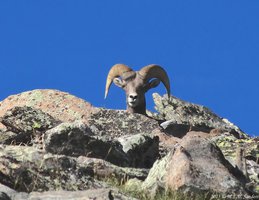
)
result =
(210, 50)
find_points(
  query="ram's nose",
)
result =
(133, 97)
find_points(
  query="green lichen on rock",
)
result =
(30, 169)
(115, 123)
(230, 145)
(27, 119)
(197, 117)
(35, 98)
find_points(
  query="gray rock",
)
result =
(75, 139)
(180, 117)
(4, 196)
(97, 194)
(141, 149)
(119, 125)
(25, 124)
(7, 193)
(9, 137)
(102, 169)
(115, 123)
(27, 119)
(101, 194)
(243, 154)
(27, 169)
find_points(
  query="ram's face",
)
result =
(135, 88)
(135, 92)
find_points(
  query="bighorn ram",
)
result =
(136, 84)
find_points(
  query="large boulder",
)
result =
(112, 124)
(75, 139)
(181, 117)
(196, 165)
(60, 105)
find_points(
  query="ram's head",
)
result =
(136, 84)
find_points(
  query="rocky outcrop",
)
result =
(56, 146)
(181, 117)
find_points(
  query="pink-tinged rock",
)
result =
(60, 105)
(196, 165)
(200, 165)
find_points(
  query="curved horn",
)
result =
(155, 71)
(116, 71)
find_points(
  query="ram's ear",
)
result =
(119, 82)
(152, 84)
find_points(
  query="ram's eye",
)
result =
(123, 85)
